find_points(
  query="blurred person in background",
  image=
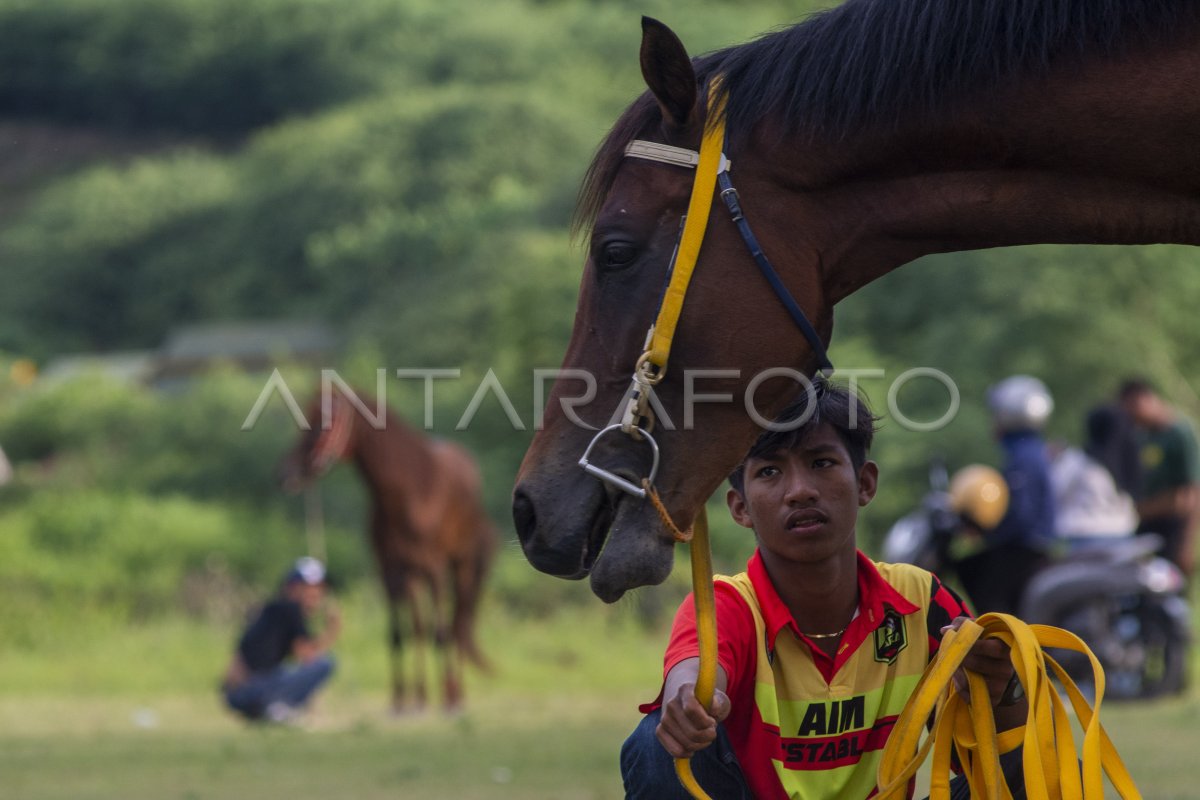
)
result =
(6, 471)
(1169, 501)
(1111, 438)
(1093, 484)
(279, 663)
(1018, 546)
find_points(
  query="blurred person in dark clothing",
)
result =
(1018, 546)
(279, 663)
(1111, 439)
(1169, 500)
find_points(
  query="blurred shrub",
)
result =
(74, 557)
(445, 158)
(97, 432)
(380, 214)
(81, 415)
(110, 234)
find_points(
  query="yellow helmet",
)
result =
(979, 494)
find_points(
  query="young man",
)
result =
(279, 664)
(1169, 500)
(819, 647)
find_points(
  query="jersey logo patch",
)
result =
(890, 637)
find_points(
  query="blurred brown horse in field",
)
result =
(430, 536)
(861, 139)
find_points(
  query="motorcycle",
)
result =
(1128, 604)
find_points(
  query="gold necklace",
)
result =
(825, 635)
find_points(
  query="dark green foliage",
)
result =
(359, 210)
(210, 67)
(456, 171)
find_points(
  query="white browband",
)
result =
(655, 151)
(667, 154)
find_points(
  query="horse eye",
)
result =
(615, 255)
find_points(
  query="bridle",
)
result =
(637, 418)
(712, 170)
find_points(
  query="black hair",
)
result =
(824, 403)
(1132, 387)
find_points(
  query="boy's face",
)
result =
(803, 503)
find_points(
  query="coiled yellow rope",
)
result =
(1052, 767)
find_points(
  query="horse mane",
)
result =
(872, 63)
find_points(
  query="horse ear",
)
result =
(668, 71)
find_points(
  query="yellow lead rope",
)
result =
(658, 350)
(1053, 770)
(706, 632)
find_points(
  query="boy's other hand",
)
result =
(989, 658)
(686, 726)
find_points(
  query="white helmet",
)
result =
(1019, 403)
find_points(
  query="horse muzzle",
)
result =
(588, 529)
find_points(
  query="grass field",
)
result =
(549, 748)
(132, 714)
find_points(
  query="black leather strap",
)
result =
(729, 195)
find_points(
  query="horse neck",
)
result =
(391, 458)
(1105, 153)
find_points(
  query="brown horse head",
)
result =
(328, 439)
(861, 139)
(564, 516)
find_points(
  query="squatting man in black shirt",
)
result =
(279, 664)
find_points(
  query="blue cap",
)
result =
(306, 570)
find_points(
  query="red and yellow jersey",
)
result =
(805, 725)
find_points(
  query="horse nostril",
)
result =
(524, 517)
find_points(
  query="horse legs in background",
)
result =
(468, 575)
(446, 652)
(402, 592)
(396, 654)
(420, 637)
